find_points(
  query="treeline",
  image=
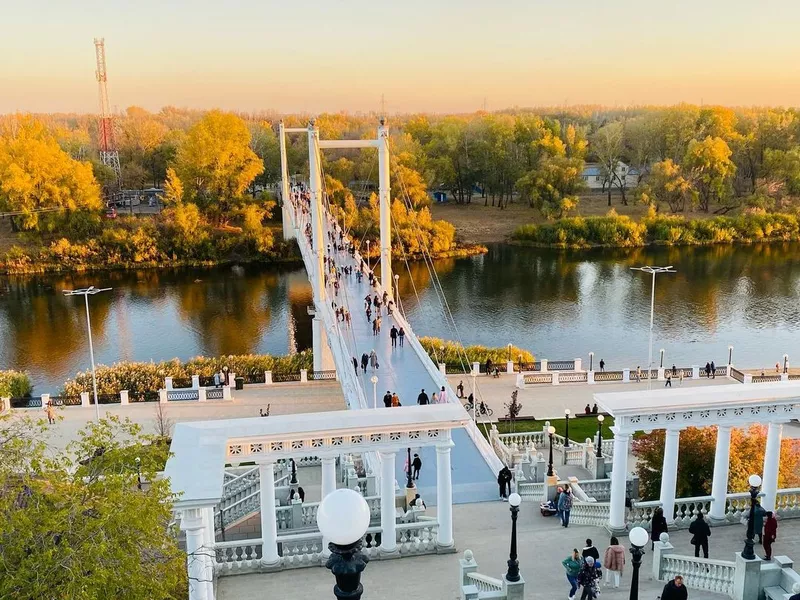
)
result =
(673, 230)
(453, 353)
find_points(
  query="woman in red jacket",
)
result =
(770, 534)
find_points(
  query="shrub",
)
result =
(453, 352)
(14, 384)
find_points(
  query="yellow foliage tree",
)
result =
(35, 174)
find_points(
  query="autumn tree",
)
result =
(667, 184)
(36, 174)
(607, 145)
(696, 460)
(76, 525)
(216, 164)
(710, 168)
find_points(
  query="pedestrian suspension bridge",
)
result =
(308, 217)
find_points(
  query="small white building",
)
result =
(595, 177)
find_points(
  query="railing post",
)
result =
(296, 513)
(226, 392)
(661, 550)
(45, 400)
(660, 373)
(84, 398)
(442, 368)
(784, 377)
(543, 363)
(466, 566)
(554, 380)
(268, 377)
(509, 367)
(195, 382)
(201, 394)
(168, 383)
(123, 397)
(162, 396)
(695, 372)
(590, 377)
(578, 365)
(748, 378)
(626, 375)
(303, 375)
(476, 367)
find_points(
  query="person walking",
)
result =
(590, 550)
(395, 400)
(460, 389)
(587, 578)
(565, 506)
(373, 360)
(387, 399)
(708, 370)
(504, 478)
(638, 374)
(602, 365)
(700, 533)
(434, 398)
(658, 525)
(379, 321)
(488, 366)
(572, 565)
(423, 398)
(393, 335)
(669, 380)
(443, 396)
(375, 327)
(50, 411)
(364, 362)
(614, 562)
(680, 378)
(355, 365)
(758, 521)
(416, 464)
(401, 335)
(713, 370)
(770, 534)
(675, 590)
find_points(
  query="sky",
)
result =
(422, 55)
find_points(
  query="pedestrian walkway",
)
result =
(485, 529)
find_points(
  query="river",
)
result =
(558, 304)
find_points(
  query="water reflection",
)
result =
(558, 304)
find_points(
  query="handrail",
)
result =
(238, 477)
(486, 580)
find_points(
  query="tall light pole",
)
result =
(514, 500)
(755, 484)
(368, 269)
(567, 413)
(397, 291)
(653, 271)
(86, 292)
(374, 380)
(638, 538)
(600, 419)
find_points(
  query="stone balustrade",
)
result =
(534, 491)
(699, 573)
(475, 586)
(595, 514)
(599, 489)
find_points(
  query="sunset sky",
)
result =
(431, 55)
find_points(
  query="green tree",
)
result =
(711, 168)
(667, 184)
(782, 171)
(216, 164)
(36, 174)
(607, 146)
(76, 526)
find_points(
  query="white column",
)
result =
(286, 203)
(772, 457)
(619, 475)
(388, 522)
(192, 524)
(385, 208)
(722, 462)
(669, 473)
(323, 359)
(328, 476)
(317, 234)
(269, 528)
(444, 495)
(209, 555)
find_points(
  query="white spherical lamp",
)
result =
(343, 517)
(514, 499)
(754, 481)
(638, 537)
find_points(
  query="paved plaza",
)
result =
(485, 529)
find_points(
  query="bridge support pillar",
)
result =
(386, 209)
(317, 235)
(286, 202)
(388, 513)
(323, 359)
(444, 496)
(269, 528)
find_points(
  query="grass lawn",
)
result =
(579, 428)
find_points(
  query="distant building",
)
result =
(594, 176)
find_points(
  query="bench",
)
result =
(583, 414)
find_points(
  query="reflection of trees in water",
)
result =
(229, 312)
(300, 298)
(44, 328)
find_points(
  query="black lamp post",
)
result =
(567, 413)
(514, 501)
(138, 462)
(343, 518)
(730, 355)
(409, 482)
(591, 361)
(638, 538)
(550, 431)
(755, 483)
(662, 359)
(294, 472)
(600, 419)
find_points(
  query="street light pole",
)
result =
(600, 419)
(653, 271)
(409, 481)
(567, 413)
(368, 269)
(374, 380)
(514, 500)
(86, 292)
(747, 553)
(550, 431)
(638, 538)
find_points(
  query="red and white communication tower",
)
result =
(109, 155)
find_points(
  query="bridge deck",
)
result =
(401, 370)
